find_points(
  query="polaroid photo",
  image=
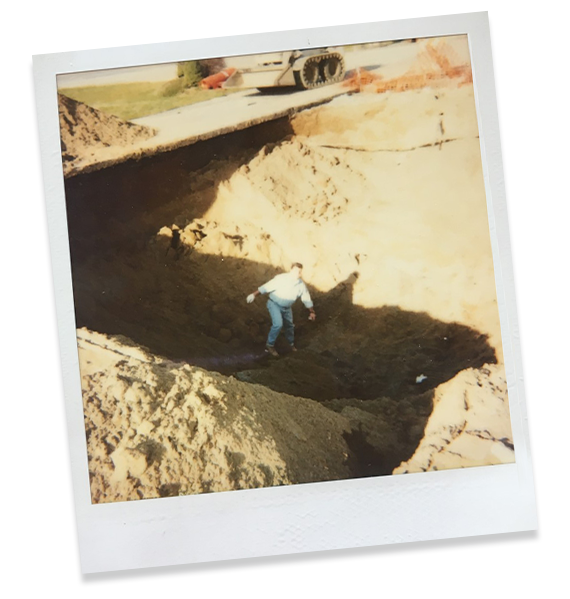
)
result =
(284, 290)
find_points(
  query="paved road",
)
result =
(228, 113)
(250, 107)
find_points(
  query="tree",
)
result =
(190, 72)
(193, 71)
(211, 66)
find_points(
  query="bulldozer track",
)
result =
(320, 70)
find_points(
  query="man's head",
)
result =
(297, 269)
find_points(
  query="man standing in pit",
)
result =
(284, 290)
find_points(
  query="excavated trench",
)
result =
(189, 306)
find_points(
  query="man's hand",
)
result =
(312, 316)
(250, 298)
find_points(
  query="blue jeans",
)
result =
(280, 317)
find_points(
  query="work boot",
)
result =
(271, 351)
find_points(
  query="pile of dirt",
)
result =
(157, 428)
(469, 425)
(84, 130)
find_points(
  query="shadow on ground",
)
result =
(360, 362)
(194, 310)
(192, 307)
(120, 206)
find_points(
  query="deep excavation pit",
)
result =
(154, 263)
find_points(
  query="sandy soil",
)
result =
(157, 429)
(469, 425)
(381, 196)
(85, 131)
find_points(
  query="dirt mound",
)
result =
(157, 428)
(469, 425)
(84, 130)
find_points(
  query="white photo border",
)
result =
(305, 517)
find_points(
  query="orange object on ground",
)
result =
(433, 64)
(215, 81)
(361, 77)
